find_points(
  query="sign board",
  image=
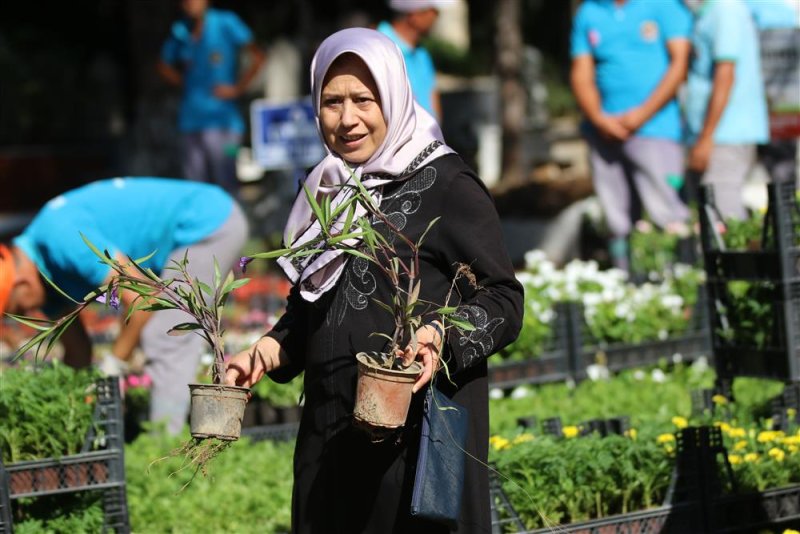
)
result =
(284, 135)
(780, 66)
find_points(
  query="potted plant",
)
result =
(358, 227)
(216, 409)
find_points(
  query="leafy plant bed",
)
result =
(97, 465)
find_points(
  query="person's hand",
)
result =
(226, 91)
(249, 366)
(700, 154)
(429, 347)
(612, 128)
(632, 120)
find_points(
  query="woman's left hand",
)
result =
(429, 347)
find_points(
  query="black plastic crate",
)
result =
(504, 516)
(100, 466)
(776, 267)
(680, 518)
(277, 432)
(773, 510)
(5, 503)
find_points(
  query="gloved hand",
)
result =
(110, 365)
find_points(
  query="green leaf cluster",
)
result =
(45, 411)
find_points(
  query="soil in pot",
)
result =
(217, 411)
(382, 396)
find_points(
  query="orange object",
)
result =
(7, 276)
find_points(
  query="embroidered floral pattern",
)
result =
(358, 283)
(478, 343)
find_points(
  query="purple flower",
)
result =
(113, 299)
(243, 261)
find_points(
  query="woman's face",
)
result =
(350, 110)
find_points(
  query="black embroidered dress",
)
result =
(343, 483)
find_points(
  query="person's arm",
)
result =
(280, 352)
(488, 296)
(130, 330)
(665, 90)
(257, 58)
(169, 74)
(77, 345)
(582, 79)
(249, 366)
(724, 77)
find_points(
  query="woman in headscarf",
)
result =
(367, 118)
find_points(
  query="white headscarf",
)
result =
(413, 138)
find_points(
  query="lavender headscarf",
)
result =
(410, 131)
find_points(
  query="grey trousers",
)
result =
(173, 361)
(210, 156)
(727, 170)
(643, 164)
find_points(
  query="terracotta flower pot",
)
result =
(217, 411)
(382, 395)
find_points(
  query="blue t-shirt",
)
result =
(725, 31)
(207, 62)
(128, 216)
(774, 14)
(628, 43)
(421, 72)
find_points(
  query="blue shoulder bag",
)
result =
(439, 480)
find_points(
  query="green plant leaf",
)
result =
(54, 286)
(33, 322)
(105, 257)
(425, 233)
(461, 324)
(183, 329)
(318, 213)
(271, 254)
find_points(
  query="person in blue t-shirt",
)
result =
(726, 110)
(629, 57)
(128, 217)
(412, 20)
(201, 56)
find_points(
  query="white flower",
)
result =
(496, 393)
(677, 357)
(700, 365)
(534, 258)
(520, 392)
(597, 372)
(658, 376)
(207, 358)
(663, 334)
(638, 374)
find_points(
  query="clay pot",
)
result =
(217, 411)
(382, 395)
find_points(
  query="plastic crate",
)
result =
(776, 263)
(504, 517)
(5, 503)
(100, 466)
(278, 432)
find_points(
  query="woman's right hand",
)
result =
(249, 366)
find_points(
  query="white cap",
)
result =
(408, 6)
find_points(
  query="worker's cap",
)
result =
(7, 276)
(408, 6)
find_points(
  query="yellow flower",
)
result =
(499, 443)
(740, 445)
(680, 422)
(751, 457)
(666, 438)
(791, 440)
(793, 448)
(669, 448)
(734, 459)
(737, 432)
(725, 427)
(765, 436)
(719, 399)
(631, 433)
(790, 531)
(791, 413)
(522, 438)
(570, 431)
(777, 454)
